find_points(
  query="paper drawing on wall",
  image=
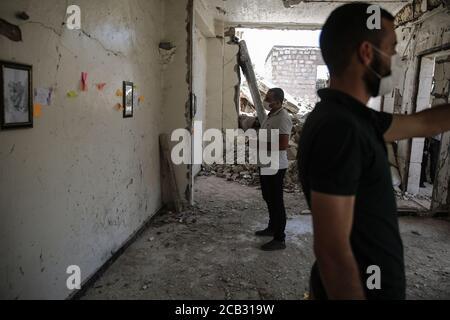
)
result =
(128, 99)
(16, 95)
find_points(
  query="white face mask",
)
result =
(267, 106)
(388, 83)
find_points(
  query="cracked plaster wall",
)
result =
(430, 32)
(176, 80)
(75, 187)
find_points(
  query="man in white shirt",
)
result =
(272, 185)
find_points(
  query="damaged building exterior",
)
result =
(295, 70)
(83, 182)
(424, 34)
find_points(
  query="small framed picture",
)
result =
(128, 99)
(16, 105)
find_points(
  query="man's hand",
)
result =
(333, 220)
(427, 123)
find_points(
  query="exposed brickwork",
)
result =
(294, 69)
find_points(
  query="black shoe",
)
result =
(264, 233)
(274, 245)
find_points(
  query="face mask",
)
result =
(267, 106)
(386, 83)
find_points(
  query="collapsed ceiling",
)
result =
(297, 14)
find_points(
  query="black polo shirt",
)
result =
(342, 152)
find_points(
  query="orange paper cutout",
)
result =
(37, 110)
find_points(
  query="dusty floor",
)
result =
(211, 253)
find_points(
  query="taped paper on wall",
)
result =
(119, 93)
(72, 94)
(84, 86)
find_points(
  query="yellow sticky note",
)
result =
(37, 110)
(119, 93)
(141, 99)
(72, 94)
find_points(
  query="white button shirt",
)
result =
(280, 120)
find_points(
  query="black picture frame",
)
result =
(128, 99)
(16, 95)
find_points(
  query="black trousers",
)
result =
(272, 191)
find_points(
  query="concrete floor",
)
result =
(210, 253)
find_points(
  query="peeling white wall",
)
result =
(199, 81)
(75, 187)
(231, 86)
(214, 90)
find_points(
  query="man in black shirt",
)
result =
(343, 163)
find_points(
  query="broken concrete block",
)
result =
(292, 153)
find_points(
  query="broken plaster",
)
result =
(83, 32)
(167, 56)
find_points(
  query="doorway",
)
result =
(430, 157)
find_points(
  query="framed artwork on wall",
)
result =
(128, 99)
(16, 105)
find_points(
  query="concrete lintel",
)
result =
(274, 26)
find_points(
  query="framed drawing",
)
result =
(128, 99)
(16, 105)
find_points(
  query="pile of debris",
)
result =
(248, 174)
(292, 105)
(408, 196)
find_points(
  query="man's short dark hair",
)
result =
(344, 31)
(278, 94)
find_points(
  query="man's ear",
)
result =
(365, 53)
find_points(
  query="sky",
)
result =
(261, 41)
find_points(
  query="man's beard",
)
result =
(371, 80)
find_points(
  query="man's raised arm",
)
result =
(426, 123)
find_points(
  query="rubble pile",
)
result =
(248, 174)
